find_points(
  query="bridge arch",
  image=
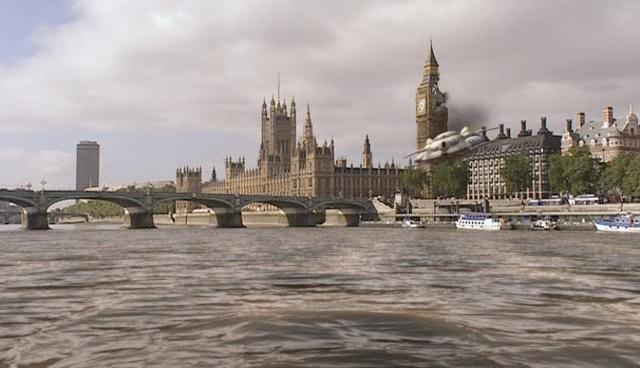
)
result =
(224, 210)
(18, 201)
(281, 203)
(347, 212)
(339, 204)
(211, 203)
(123, 201)
(296, 212)
(136, 213)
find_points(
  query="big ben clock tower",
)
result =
(431, 112)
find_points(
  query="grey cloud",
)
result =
(132, 66)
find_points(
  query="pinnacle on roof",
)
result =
(432, 55)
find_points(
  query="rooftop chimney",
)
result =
(483, 132)
(607, 117)
(543, 126)
(509, 133)
(569, 126)
(523, 129)
(581, 119)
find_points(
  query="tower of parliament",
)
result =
(431, 112)
(289, 164)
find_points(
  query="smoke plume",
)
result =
(467, 114)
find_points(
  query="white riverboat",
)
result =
(412, 224)
(626, 223)
(481, 221)
(544, 224)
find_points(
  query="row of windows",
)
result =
(494, 162)
(488, 187)
(502, 155)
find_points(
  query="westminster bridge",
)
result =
(227, 208)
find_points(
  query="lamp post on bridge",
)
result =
(43, 182)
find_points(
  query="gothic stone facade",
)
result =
(486, 161)
(606, 139)
(288, 166)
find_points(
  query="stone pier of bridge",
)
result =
(34, 219)
(138, 218)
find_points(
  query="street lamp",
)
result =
(43, 182)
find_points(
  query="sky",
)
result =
(162, 84)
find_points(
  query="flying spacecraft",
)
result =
(450, 143)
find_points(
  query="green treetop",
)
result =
(450, 179)
(516, 173)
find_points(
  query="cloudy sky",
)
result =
(164, 83)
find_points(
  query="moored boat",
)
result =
(481, 221)
(412, 224)
(625, 223)
(544, 224)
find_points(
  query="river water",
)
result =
(318, 297)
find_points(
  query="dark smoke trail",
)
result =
(467, 114)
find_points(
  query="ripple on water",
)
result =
(317, 298)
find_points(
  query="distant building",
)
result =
(292, 166)
(87, 165)
(486, 162)
(606, 139)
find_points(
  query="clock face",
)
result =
(422, 106)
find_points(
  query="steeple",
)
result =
(367, 144)
(632, 119)
(367, 159)
(432, 56)
(278, 87)
(430, 74)
(308, 128)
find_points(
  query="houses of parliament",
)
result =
(289, 165)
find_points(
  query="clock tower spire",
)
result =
(431, 112)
